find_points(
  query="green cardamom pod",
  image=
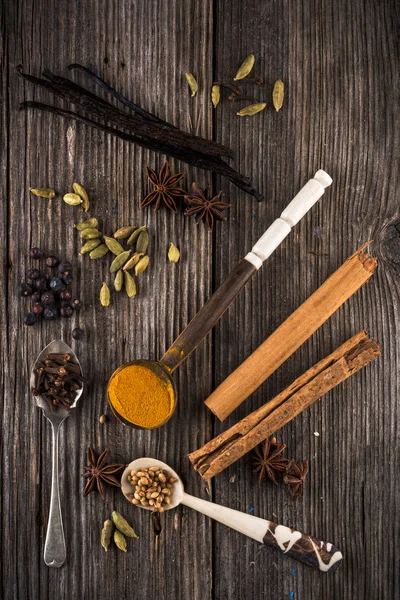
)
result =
(90, 233)
(119, 281)
(142, 265)
(278, 94)
(90, 245)
(43, 192)
(89, 223)
(192, 83)
(123, 526)
(105, 294)
(119, 261)
(106, 534)
(215, 94)
(98, 252)
(72, 199)
(253, 109)
(124, 232)
(120, 540)
(133, 261)
(130, 285)
(173, 253)
(134, 236)
(78, 189)
(113, 245)
(245, 67)
(142, 242)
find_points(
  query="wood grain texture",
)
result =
(340, 64)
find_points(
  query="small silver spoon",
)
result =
(303, 547)
(54, 549)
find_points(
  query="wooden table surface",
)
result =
(340, 64)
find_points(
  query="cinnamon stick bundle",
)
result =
(234, 443)
(291, 334)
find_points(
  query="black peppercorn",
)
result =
(65, 267)
(33, 274)
(37, 308)
(65, 295)
(56, 285)
(52, 261)
(35, 297)
(29, 319)
(76, 304)
(50, 312)
(66, 311)
(40, 284)
(78, 333)
(67, 279)
(35, 253)
(47, 298)
(25, 289)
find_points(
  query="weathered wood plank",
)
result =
(339, 63)
(143, 50)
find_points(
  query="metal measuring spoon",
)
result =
(54, 549)
(303, 547)
(211, 312)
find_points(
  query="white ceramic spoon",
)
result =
(317, 554)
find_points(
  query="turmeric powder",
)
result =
(140, 396)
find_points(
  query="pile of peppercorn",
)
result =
(49, 294)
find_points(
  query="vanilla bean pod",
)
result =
(193, 158)
(89, 102)
(109, 89)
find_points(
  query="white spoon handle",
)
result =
(295, 210)
(317, 554)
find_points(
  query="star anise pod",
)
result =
(268, 460)
(205, 208)
(165, 190)
(100, 472)
(296, 472)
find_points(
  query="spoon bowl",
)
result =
(55, 347)
(303, 547)
(128, 489)
(161, 376)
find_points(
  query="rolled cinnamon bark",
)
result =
(291, 334)
(234, 443)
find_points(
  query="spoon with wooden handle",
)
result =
(213, 310)
(305, 548)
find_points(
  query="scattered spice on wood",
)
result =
(141, 127)
(296, 472)
(58, 380)
(100, 472)
(224, 450)
(204, 208)
(245, 68)
(268, 461)
(192, 83)
(166, 189)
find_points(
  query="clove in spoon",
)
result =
(305, 548)
(54, 549)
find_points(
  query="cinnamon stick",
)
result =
(291, 334)
(234, 443)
